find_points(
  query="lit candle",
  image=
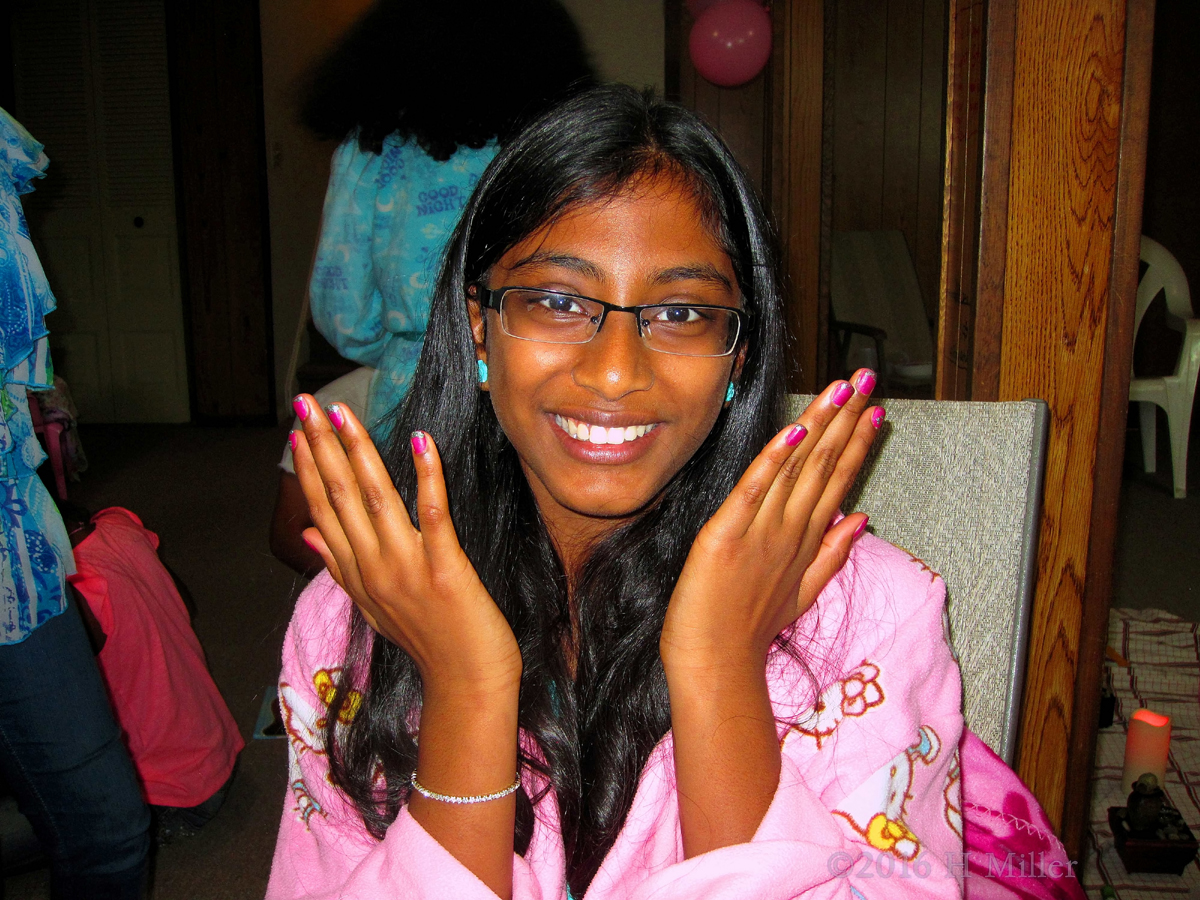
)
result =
(1146, 743)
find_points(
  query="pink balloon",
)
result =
(731, 42)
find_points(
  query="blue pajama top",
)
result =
(35, 552)
(387, 220)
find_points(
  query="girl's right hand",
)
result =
(416, 587)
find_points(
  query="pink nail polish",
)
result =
(335, 416)
(300, 407)
(841, 394)
(292, 440)
(862, 526)
(865, 382)
(796, 435)
(311, 546)
(418, 442)
(878, 416)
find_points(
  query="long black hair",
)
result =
(446, 73)
(593, 733)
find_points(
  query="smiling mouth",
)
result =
(598, 434)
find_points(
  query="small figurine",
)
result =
(1145, 805)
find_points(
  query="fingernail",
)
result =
(841, 394)
(419, 443)
(878, 416)
(796, 435)
(335, 416)
(865, 382)
(292, 440)
(862, 526)
(300, 407)
(311, 546)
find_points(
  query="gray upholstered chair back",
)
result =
(959, 485)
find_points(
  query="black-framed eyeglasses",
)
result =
(554, 317)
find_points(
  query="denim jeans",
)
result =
(63, 758)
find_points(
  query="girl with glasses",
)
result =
(592, 621)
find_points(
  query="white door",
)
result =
(91, 79)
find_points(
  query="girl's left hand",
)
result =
(766, 554)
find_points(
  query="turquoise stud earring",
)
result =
(482, 367)
(730, 392)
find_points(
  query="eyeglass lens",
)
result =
(564, 319)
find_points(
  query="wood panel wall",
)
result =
(741, 114)
(1061, 267)
(773, 124)
(960, 202)
(794, 188)
(888, 62)
(216, 99)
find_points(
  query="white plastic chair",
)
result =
(1174, 393)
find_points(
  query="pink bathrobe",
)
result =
(868, 804)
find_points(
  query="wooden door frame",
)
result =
(1070, 624)
(1114, 409)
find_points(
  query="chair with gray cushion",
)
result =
(959, 485)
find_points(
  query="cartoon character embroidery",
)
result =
(304, 725)
(925, 567)
(851, 697)
(326, 688)
(306, 803)
(953, 796)
(889, 787)
(299, 721)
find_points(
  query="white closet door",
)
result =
(92, 85)
(52, 44)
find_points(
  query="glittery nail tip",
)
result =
(292, 440)
(336, 416)
(796, 435)
(842, 393)
(866, 382)
(878, 416)
(300, 407)
(418, 442)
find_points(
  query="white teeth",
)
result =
(598, 434)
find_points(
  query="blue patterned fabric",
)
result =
(386, 223)
(35, 553)
(25, 296)
(37, 559)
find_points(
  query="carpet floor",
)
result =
(208, 493)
